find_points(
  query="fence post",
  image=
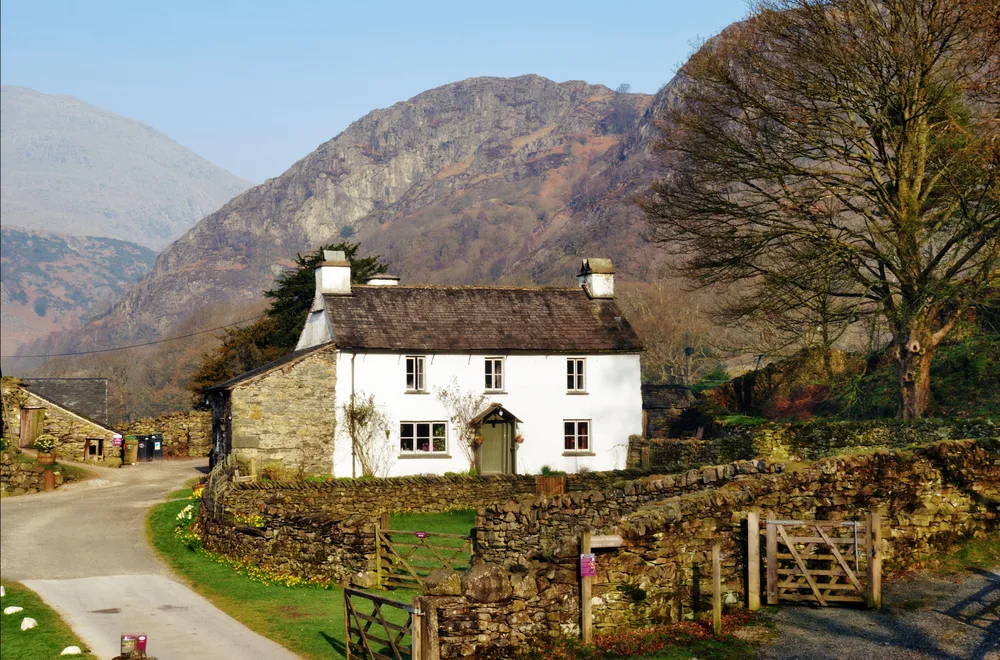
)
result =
(378, 557)
(347, 625)
(586, 614)
(417, 635)
(716, 589)
(873, 546)
(253, 469)
(753, 561)
(772, 559)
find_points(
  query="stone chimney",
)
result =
(333, 276)
(597, 277)
(382, 280)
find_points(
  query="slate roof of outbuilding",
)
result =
(87, 397)
(472, 318)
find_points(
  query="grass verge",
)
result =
(307, 620)
(980, 554)
(47, 640)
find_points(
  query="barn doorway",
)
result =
(32, 425)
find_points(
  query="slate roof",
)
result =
(87, 397)
(659, 397)
(294, 356)
(471, 318)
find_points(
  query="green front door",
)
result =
(494, 453)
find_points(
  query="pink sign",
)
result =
(421, 535)
(588, 565)
(117, 440)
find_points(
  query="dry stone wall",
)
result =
(23, 478)
(929, 499)
(184, 433)
(806, 441)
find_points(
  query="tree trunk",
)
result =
(915, 348)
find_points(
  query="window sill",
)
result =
(426, 455)
(579, 453)
(494, 391)
(416, 392)
(576, 392)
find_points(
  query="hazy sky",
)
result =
(254, 86)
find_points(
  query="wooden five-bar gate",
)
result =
(821, 561)
(378, 628)
(406, 557)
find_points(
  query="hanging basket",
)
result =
(519, 439)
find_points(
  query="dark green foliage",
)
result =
(965, 382)
(277, 332)
(294, 290)
(346, 231)
(713, 378)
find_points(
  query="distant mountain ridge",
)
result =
(51, 282)
(480, 181)
(70, 167)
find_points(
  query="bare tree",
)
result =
(850, 137)
(623, 88)
(463, 408)
(680, 343)
(368, 428)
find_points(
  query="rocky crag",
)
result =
(483, 180)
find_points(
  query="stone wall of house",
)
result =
(22, 477)
(288, 415)
(527, 583)
(184, 433)
(71, 430)
(804, 441)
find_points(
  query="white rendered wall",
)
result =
(316, 330)
(535, 387)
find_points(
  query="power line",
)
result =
(123, 348)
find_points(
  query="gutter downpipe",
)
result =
(354, 471)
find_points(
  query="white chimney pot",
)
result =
(597, 277)
(333, 277)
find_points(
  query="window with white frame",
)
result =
(577, 434)
(576, 375)
(494, 374)
(423, 437)
(414, 373)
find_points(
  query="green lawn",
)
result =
(307, 620)
(41, 643)
(450, 522)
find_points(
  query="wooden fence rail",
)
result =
(406, 557)
(821, 561)
(379, 628)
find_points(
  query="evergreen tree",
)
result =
(277, 332)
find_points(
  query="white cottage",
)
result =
(555, 371)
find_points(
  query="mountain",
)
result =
(50, 282)
(72, 168)
(480, 181)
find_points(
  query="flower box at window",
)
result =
(423, 437)
(576, 369)
(494, 374)
(414, 373)
(577, 434)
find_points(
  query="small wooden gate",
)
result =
(378, 628)
(823, 561)
(32, 425)
(405, 558)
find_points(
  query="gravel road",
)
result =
(923, 617)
